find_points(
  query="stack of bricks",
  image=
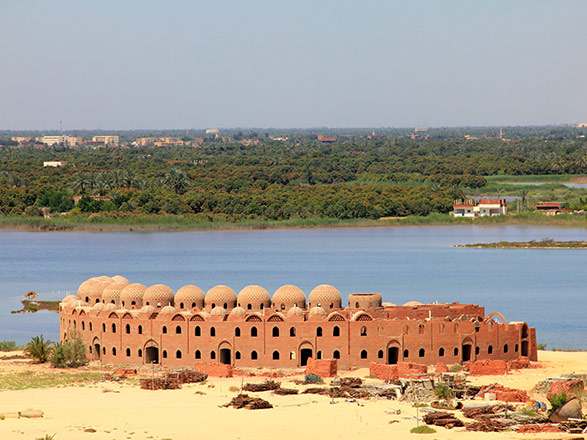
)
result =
(215, 369)
(394, 372)
(322, 367)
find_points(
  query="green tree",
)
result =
(39, 349)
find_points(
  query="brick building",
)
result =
(130, 324)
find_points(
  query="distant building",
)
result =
(374, 136)
(76, 199)
(70, 141)
(141, 142)
(550, 208)
(54, 163)
(107, 140)
(21, 139)
(168, 142)
(481, 208)
(326, 139)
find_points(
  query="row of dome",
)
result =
(119, 291)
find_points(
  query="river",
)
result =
(547, 288)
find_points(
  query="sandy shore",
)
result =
(194, 412)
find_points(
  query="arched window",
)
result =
(421, 353)
(336, 331)
(225, 305)
(441, 352)
(103, 350)
(178, 354)
(275, 355)
(193, 305)
(516, 348)
(237, 355)
(406, 353)
(364, 354)
(83, 325)
(363, 331)
(164, 354)
(87, 299)
(212, 331)
(319, 354)
(164, 331)
(249, 306)
(357, 305)
(181, 305)
(292, 355)
(103, 328)
(74, 324)
(490, 349)
(178, 330)
(336, 354)
(127, 329)
(455, 352)
(212, 355)
(113, 351)
(198, 354)
(253, 355)
(91, 326)
(198, 331)
(380, 354)
(113, 328)
(253, 332)
(140, 329)
(319, 331)
(477, 350)
(505, 348)
(275, 332)
(140, 353)
(128, 352)
(292, 332)
(237, 332)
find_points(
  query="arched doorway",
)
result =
(306, 352)
(524, 348)
(96, 350)
(225, 356)
(151, 353)
(466, 350)
(393, 351)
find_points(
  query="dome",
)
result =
(158, 295)
(295, 311)
(220, 296)
(412, 304)
(189, 296)
(218, 311)
(237, 311)
(120, 279)
(325, 296)
(103, 278)
(84, 288)
(168, 310)
(388, 304)
(132, 295)
(69, 298)
(98, 307)
(94, 290)
(110, 307)
(111, 294)
(148, 309)
(254, 298)
(317, 311)
(287, 297)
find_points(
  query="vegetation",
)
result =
(9, 346)
(39, 349)
(70, 353)
(442, 391)
(34, 306)
(21, 380)
(298, 180)
(558, 400)
(422, 429)
(545, 243)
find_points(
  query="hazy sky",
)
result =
(123, 64)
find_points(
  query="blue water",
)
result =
(547, 288)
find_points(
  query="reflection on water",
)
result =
(547, 288)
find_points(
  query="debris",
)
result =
(285, 391)
(504, 394)
(268, 385)
(312, 378)
(487, 425)
(89, 430)
(347, 382)
(440, 418)
(535, 429)
(107, 390)
(244, 401)
(476, 412)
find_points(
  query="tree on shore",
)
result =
(39, 349)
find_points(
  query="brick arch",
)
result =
(275, 318)
(253, 318)
(178, 317)
(82, 313)
(150, 343)
(499, 315)
(335, 317)
(305, 344)
(73, 312)
(362, 316)
(113, 315)
(224, 344)
(467, 340)
(127, 316)
(393, 343)
(197, 317)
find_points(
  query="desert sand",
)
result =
(125, 411)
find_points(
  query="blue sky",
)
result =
(194, 64)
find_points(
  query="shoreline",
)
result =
(182, 224)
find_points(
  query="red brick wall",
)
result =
(322, 367)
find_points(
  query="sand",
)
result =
(132, 413)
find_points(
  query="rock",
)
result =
(570, 410)
(32, 413)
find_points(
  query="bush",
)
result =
(9, 346)
(313, 378)
(424, 429)
(557, 400)
(70, 353)
(39, 349)
(442, 391)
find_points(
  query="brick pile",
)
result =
(214, 369)
(394, 372)
(504, 394)
(487, 368)
(322, 367)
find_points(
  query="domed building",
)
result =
(130, 324)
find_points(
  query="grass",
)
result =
(535, 178)
(27, 379)
(423, 429)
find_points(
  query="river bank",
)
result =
(546, 243)
(106, 223)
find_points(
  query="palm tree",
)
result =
(81, 182)
(127, 178)
(178, 180)
(523, 195)
(39, 349)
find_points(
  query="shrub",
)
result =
(39, 349)
(70, 353)
(424, 429)
(557, 400)
(442, 391)
(541, 346)
(313, 378)
(455, 368)
(8, 346)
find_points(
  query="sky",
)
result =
(142, 64)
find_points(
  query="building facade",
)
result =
(130, 324)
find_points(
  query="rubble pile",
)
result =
(285, 391)
(268, 385)
(504, 394)
(244, 401)
(444, 419)
(172, 380)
